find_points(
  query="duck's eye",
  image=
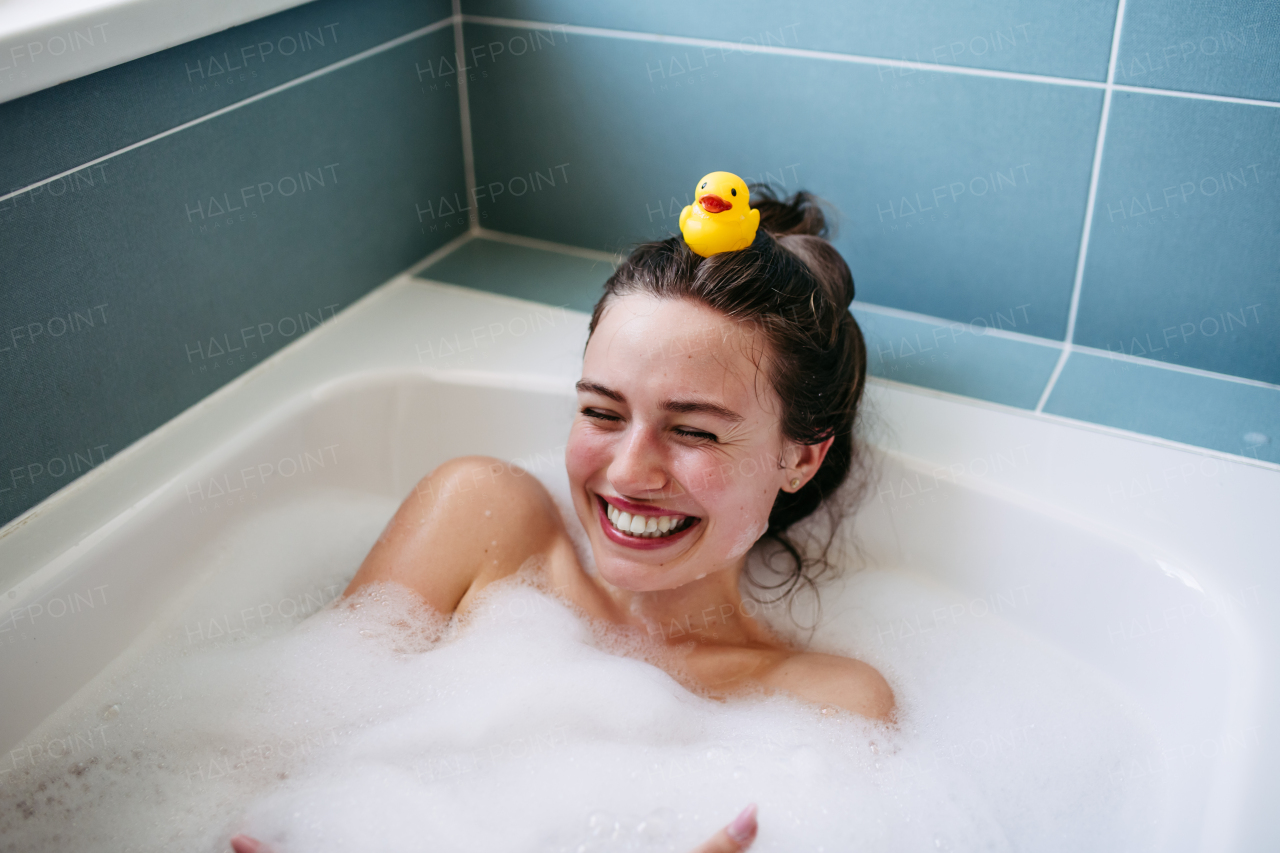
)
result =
(733, 192)
(704, 185)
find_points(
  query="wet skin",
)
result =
(676, 418)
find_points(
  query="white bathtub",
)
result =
(1147, 561)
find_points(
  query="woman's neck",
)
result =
(707, 610)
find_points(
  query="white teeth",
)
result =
(645, 526)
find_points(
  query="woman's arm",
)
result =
(471, 521)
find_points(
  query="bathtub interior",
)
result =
(366, 439)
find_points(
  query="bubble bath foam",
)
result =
(376, 724)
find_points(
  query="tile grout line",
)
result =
(852, 58)
(464, 113)
(855, 59)
(869, 307)
(1196, 96)
(1075, 423)
(297, 81)
(1085, 232)
(1175, 367)
(439, 254)
(917, 317)
(547, 246)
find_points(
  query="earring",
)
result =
(795, 482)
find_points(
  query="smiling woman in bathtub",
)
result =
(716, 409)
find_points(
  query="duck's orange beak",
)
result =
(714, 204)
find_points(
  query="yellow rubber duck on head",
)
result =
(721, 219)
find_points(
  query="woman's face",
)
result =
(677, 440)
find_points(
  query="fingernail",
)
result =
(743, 827)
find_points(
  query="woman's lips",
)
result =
(639, 542)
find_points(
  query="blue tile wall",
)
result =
(132, 288)
(1242, 418)
(1221, 48)
(958, 358)
(78, 121)
(552, 277)
(962, 197)
(171, 268)
(1183, 258)
(1053, 37)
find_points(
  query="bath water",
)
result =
(257, 704)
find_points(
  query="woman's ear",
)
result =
(806, 459)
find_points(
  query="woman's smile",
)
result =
(673, 456)
(640, 526)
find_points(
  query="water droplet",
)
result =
(657, 826)
(494, 542)
(110, 712)
(828, 710)
(488, 512)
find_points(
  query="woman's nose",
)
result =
(638, 467)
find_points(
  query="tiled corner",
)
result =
(539, 275)
(196, 256)
(1052, 37)
(1234, 417)
(959, 197)
(1183, 252)
(60, 128)
(1216, 48)
(956, 357)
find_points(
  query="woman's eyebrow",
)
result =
(680, 407)
(596, 388)
(686, 407)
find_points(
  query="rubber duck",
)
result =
(721, 219)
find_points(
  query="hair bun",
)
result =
(800, 214)
(799, 224)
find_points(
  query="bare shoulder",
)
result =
(834, 680)
(472, 520)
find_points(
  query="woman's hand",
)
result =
(735, 837)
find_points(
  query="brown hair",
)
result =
(794, 286)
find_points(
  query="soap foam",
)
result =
(377, 724)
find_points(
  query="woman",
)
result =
(716, 409)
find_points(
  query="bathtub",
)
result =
(1142, 559)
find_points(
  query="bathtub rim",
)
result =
(246, 401)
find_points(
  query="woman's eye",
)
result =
(695, 433)
(599, 415)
